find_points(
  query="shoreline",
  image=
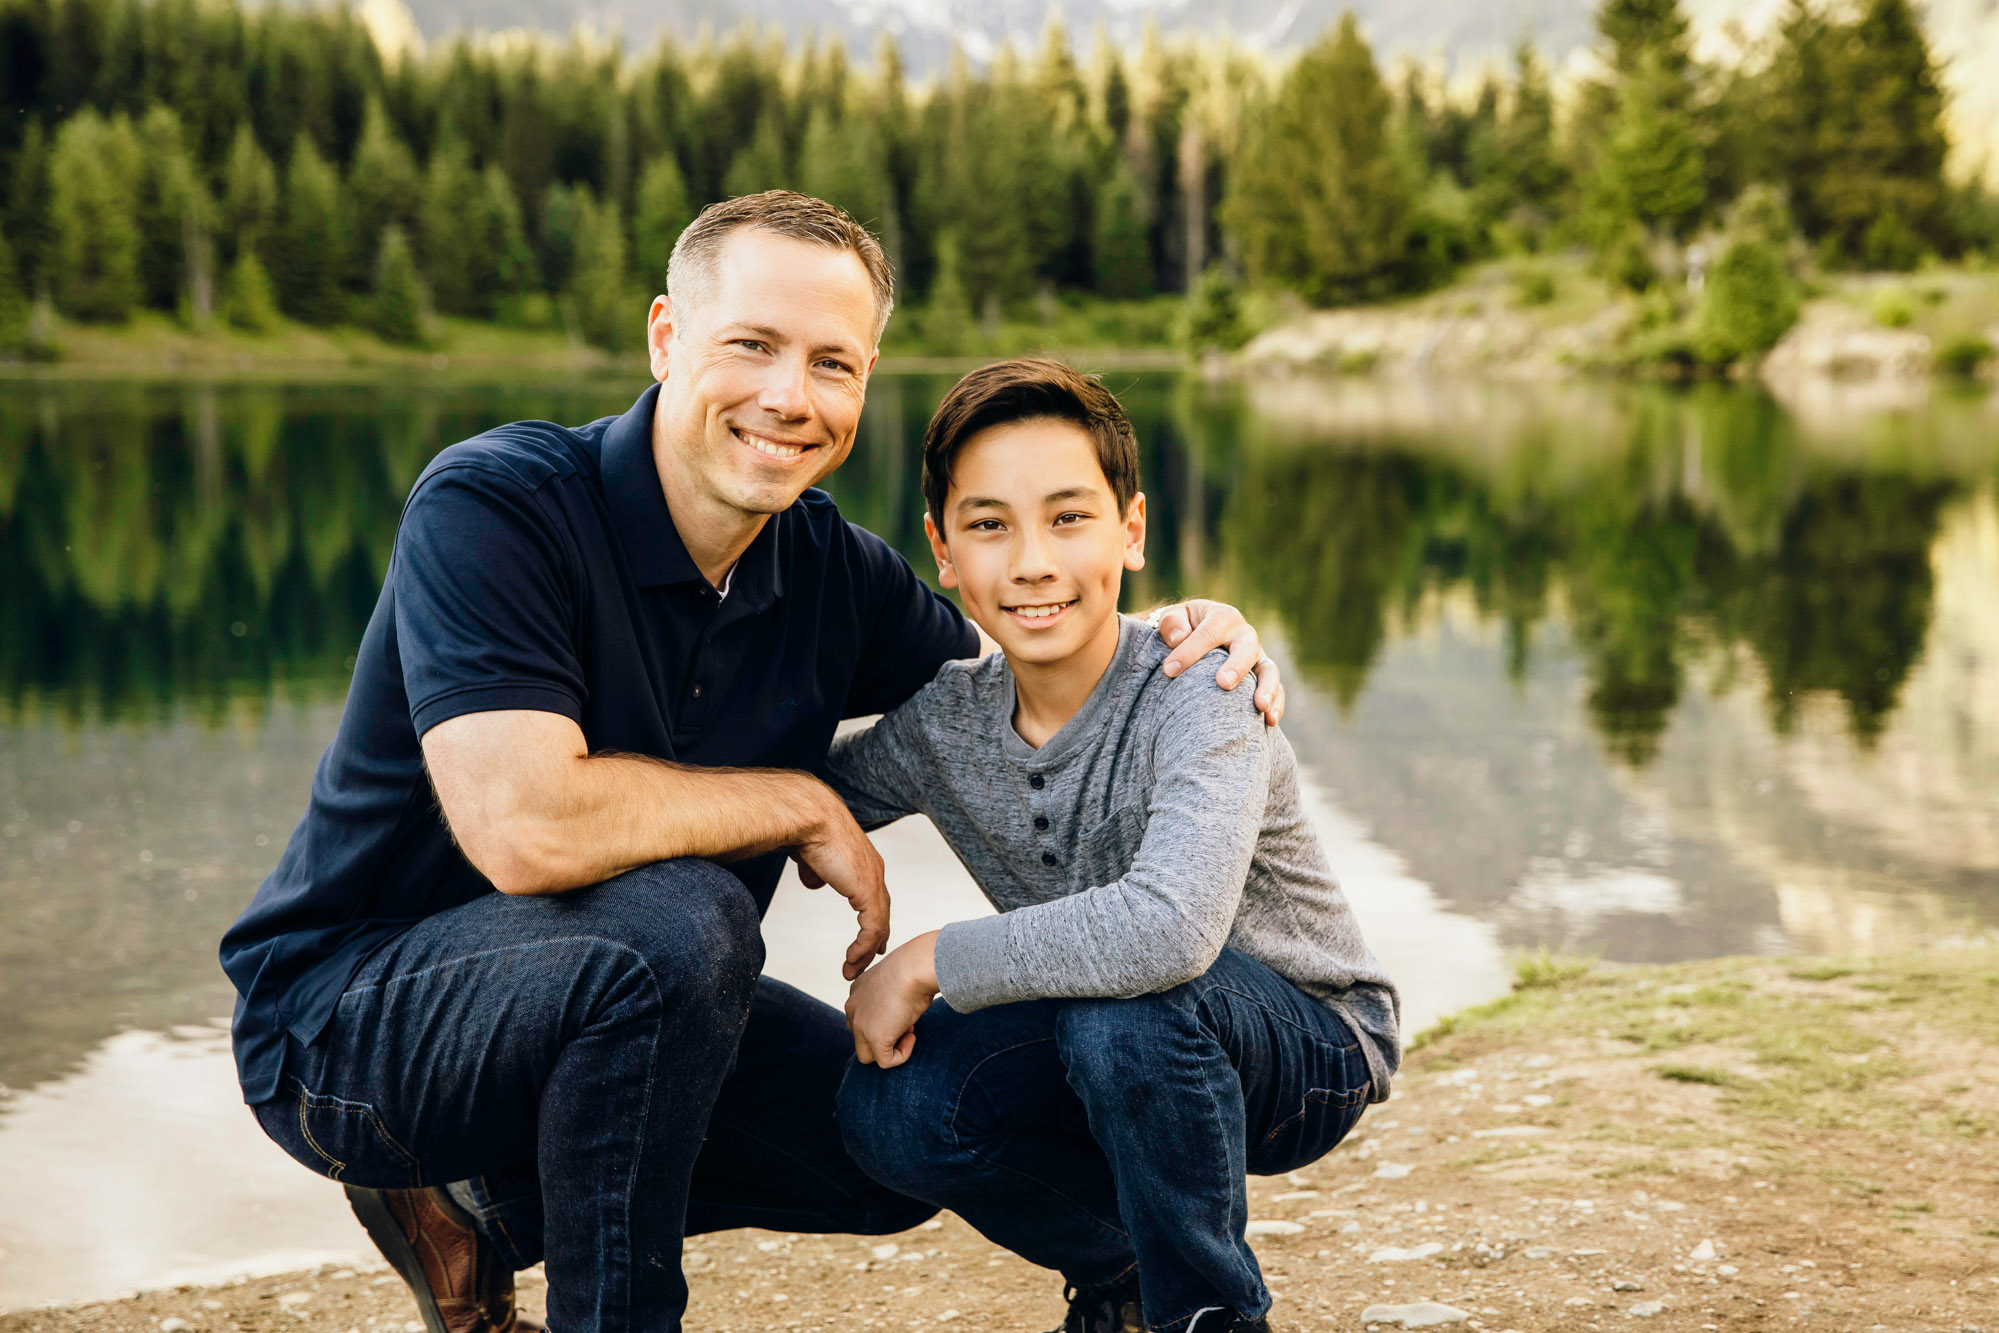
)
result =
(1744, 1143)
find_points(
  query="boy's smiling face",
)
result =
(1032, 539)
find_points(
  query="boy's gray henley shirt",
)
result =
(1162, 822)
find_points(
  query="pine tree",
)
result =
(604, 315)
(503, 265)
(1121, 258)
(382, 189)
(173, 216)
(947, 314)
(309, 247)
(662, 213)
(451, 190)
(1536, 178)
(27, 217)
(249, 196)
(762, 164)
(401, 307)
(13, 306)
(1879, 193)
(563, 218)
(1321, 201)
(1638, 29)
(248, 301)
(1651, 171)
(93, 211)
(843, 163)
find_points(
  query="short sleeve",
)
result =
(485, 613)
(910, 632)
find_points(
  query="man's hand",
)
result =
(836, 852)
(1197, 627)
(884, 1004)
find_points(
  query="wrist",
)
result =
(918, 962)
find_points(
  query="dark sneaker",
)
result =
(1111, 1309)
(460, 1283)
(1226, 1321)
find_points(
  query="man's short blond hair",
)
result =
(690, 273)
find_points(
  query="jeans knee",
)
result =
(1122, 1044)
(891, 1129)
(683, 927)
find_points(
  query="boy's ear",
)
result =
(1134, 533)
(946, 574)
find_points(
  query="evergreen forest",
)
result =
(251, 164)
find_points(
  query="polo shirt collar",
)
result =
(645, 525)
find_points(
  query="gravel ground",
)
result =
(1723, 1146)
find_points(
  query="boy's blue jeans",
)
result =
(602, 1072)
(1092, 1135)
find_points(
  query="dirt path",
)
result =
(1741, 1145)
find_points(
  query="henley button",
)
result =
(1036, 782)
(1048, 858)
(697, 691)
(1041, 821)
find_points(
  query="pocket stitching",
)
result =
(327, 1102)
(1327, 1097)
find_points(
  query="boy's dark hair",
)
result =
(1019, 390)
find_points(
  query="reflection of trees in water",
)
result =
(1657, 544)
(163, 546)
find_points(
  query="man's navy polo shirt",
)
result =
(537, 567)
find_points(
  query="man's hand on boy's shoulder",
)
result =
(1196, 627)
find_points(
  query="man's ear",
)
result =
(659, 334)
(947, 575)
(1134, 533)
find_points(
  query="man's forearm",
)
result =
(611, 813)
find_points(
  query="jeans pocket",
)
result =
(1315, 1128)
(342, 1140)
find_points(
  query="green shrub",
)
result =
(247, 299)
(1893, 307)
(1963, 354)
(401, 306)
(1533, 285)
(1213, 316)
(1747, 304)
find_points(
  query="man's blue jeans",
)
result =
(1092, 1135)
(562, 1058)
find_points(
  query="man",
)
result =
(606, 656)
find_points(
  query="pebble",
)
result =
(1626, 1284)
(413, 1326)
(292, 1299)
(1540, 1252)
(1702, 1252)
(1423, 1314)
(1272, 1227)
(1394, 1254)
(1728, 1270)
(175, 1326)
(1646, 1309)
(887, 1251)
(1392, 1170)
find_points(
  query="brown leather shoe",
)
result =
(460, 1283)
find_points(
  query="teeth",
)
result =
(1037, 612)
(775, 450)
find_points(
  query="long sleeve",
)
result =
(1166, 918)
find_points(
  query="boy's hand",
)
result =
(885, 1002)
(1197, 627)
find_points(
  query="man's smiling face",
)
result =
(762, 380)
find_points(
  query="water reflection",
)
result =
(1646, 672)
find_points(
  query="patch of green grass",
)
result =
(1848, 1183)
(1543, 969)
(1637, 1166)
(1719, 1078)
(1823, 972)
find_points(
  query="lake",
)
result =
(1642, 672)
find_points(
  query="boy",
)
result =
(1175, 990)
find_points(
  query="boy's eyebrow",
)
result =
(1053, 497)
